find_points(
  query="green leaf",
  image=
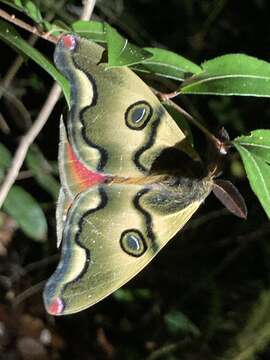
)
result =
(41, 170)
(123, 295)
(121, 52)
(143, 294)
(23, 208)
(167, 64)
(93, 30)
(130, 295)
(5, 156)
(32, 11)
(57, 28)
(258, 142)
(181, 122)
(27, 7)
(178, 324)
(232, 74)
(5, 160)
(13, 4)
(12, 38)
(255, 153)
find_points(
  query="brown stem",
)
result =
(195, 122)
(167, 96)
(32, 29)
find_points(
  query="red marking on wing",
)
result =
(56, 307)
(69, 41)
(82, 176)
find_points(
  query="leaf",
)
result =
(31, 10)
(258, 142)
(254, 151)
(57, 28)
(167, 64)
(178, 323)
(230, 197)
(12, 3)
(121, 52)
(5, 160)
(41, 170)
(12, 38)
(5, 156)
(23, 208)
(180, 121)
(27, 7)
(93, 30)
(232, 74)
(162, 62)
(130, 295)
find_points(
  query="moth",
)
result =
(127, 184)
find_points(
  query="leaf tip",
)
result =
(230, 197)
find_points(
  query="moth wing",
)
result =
(116, 124)
(111, 233)
(63, 204)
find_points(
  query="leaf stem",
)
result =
(219, 144)
(167, 96)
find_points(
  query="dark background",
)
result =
(206, 295)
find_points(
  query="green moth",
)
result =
(127, 185)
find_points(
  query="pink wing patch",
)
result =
(79, 174)
(56, 307)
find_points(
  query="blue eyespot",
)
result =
(132, 242)
(138, 115)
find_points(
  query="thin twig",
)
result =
(30, 136)
(166, 98)
(3, 125)
(168, 349)
(28, 293)
(34, 266)
(17, 104)
(26, 174)
(195, 122)
(88, 7)
(32, 29)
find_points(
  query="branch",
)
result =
(88, 7)
(195, 122)
(30, 136)
(25, 26)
